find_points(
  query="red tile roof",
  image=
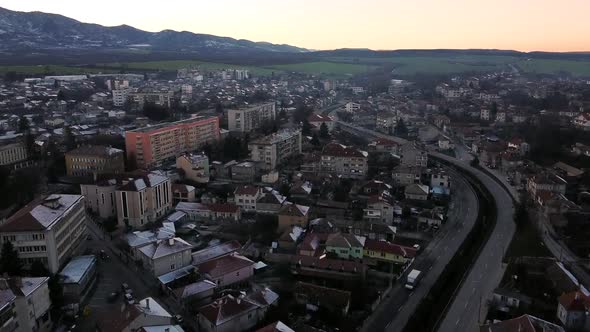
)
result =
(246, 190)
(223, 208)
(339, 150)
(391, 248)
(226, 309)
(224, 265)
(319, 118)
(328, 264)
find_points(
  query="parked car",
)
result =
(178, 319)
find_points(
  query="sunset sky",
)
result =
(526, 25)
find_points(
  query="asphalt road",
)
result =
(470, 304)
(395, 311)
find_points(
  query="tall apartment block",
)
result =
(247, 119)
(273, 149)
(151, 145)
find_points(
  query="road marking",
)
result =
(430, 268)
(412, 293)
(466, 304)
(473, 290)
(400, 308)
(457, 322)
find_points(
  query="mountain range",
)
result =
(22, 31)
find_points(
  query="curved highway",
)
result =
(468, 308)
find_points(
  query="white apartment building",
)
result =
(273, 149)
(247, 119)
(120, 97)
(143, 198)
(32, 303)
(351, 107)
(50, 230)
(344, 161)
(485, 114)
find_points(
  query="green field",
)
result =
(409, 65)
(326, 68)
(178, 64)
(545, 66)
(342, 67)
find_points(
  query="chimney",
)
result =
(147, 303)
(171, 241)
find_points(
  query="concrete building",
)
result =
(92, 160)
(78, 278)
(274, 149)
(100, 197)
(164, 256)
(120, 97)
(149, 146)
(413, 155)
(143, 198)
(31, 301)
(195, 167)
(160, 98)
(13, 153)
(248, 119)
(292, 215)
(344, 161)
(246, 196)
(351, 107)
(8, 320)
(49, 230)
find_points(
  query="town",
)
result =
(221, 200)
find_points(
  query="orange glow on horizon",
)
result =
(525, 25)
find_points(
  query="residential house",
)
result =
(413, 155)
(379, 209)
(440, 179)
(195, 292)
(327, 268)
(225, 211)
(310, 246)
(344, 161)
(572, 311)
(316, 121)
(164, 256)
(244, 172)
(508, 300)
(376, 250)
(290, 237)
(227, 270)
(246, 196)
(183, 193)
(582, 121)
(315, 297)
(277, 326)
(430, 218)
(385, 145)
(345, 246)
(524, 323)
(230, 313)
(404, 176)
(134, 317)
(293, 214)
(417, 192)
(214, 252)
(270, 202)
